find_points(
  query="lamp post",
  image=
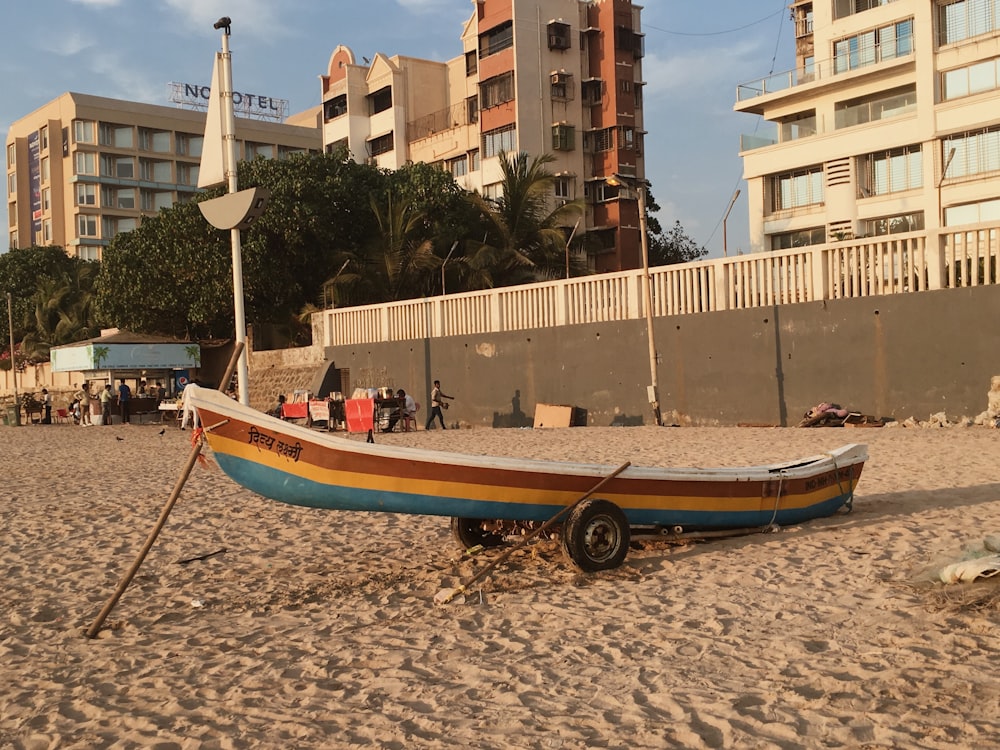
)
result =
(444, 263)
(725, 249)
(639, 186)
(944, 173)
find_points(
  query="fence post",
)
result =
(938, 242)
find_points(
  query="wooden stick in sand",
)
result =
(446, 595)
(95, 628)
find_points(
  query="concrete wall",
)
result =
(894, 356)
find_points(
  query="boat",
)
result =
(489, 497)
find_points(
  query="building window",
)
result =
(626, 137)
(47, 231)
(263, 150)
(973, 213)
(976, 152)
(799, 125)
(625, 85)
(472, 109)
(86, 252)
(797, 189)
(12, 183)
(116, 136)
(882, 106)
(493, 191)
(497, 90)
(154, 200)
(86, 225)
(458, 167)
(592, 91)
(83, 131)
(85, 162)
(121, 167)
(380, 145)
(496, 39)
(43, 137)
(11, 155)
(46, 199)
(965, 19)
(153, 170)
(86, 194)
(561, 85)
(45, 169)
(12, 240)
(471, 63)
(559, 35)
(561, 188)
(380, 101)
(502, 139)
(887, 172)
(114, 198)
(893, 224)
(973, 79)
(798, 238)
(335, 107)
(110, 226)
(872, 46)
(563, 137)
(154, 140)
(601, 140)
(602, 192)
(627, 40)
(843, 8)
(189, 145)
(474, 160)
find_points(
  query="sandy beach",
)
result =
(302, 628)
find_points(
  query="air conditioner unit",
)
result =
(558, 42)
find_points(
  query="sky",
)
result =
(696, 55)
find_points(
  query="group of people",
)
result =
(408, 408)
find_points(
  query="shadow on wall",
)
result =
(624, 420)
(516, 418)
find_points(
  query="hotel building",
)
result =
(562, 77)
(82, 168)
(888, 124)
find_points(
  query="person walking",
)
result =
(47, 400)
(437, 404)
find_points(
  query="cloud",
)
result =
(125, 80)
(701, 72)
(66, 44)
(425, 6)
(98, 3)
(260, 19)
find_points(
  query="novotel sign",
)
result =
(251, 105)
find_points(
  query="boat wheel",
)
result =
(596, 536)
(469, 532)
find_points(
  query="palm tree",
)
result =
(63, 311)
(526, 235)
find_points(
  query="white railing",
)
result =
(864, 267)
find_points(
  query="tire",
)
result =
(469, 532)
(596, 536)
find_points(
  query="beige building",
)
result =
(890, 123)
(542, 76)
(82, 168)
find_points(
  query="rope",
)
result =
(770, 524)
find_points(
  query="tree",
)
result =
(63, 311)
(21, 270)
(673, 247)
(526, 240)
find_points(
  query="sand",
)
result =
(316, 629)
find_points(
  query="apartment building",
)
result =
(562, 77)
(82, 168)
(888, 124)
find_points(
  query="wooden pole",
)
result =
(95, 628)
(452, 593)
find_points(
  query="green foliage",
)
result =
(670, 248)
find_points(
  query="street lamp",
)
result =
(639, 185)
(444, 263)
(725, 218)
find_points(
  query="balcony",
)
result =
(824, 70)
